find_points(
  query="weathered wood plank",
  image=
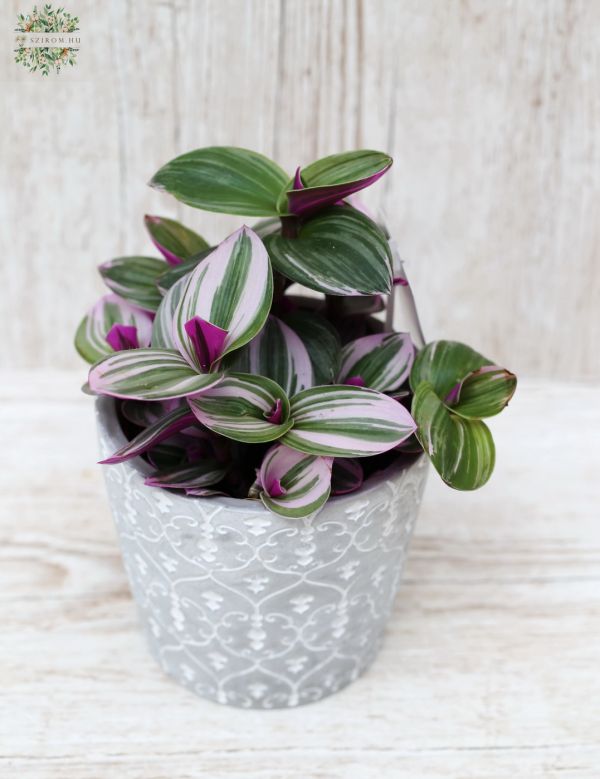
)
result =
(488, 669)
(490, 110)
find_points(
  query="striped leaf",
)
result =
(174, 241)
(163, 428)
(110, 310)
(134, 278)
(162, 327)
(484, 392)
(173, 273)
(331, 179)
(381, 361)
(231, 289)
(346, 476)
(293, 484)
(148, 374)
(464, 379)
(321, 341)
(189, 476)
(226, 179)
(277, 353)
(246, 408)
(461, 450)
(340, 251)
(444, 364)
(345, 421)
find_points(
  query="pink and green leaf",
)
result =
(134, 279)
(225, 179)
(293, 484)
(340, 252)
(174, 241)
(277, 353)
(381, 361)
(231, 289)
(331, 179)
(148, 374)
(91, 336)
(461, 450)
(253, 409)
(346, 421)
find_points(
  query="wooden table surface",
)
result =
(490, 669)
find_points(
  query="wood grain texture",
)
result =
(490, 110)
(489, 668)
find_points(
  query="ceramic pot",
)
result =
(251, 609)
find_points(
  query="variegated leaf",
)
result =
(231, 290)
(148, 374)
(321, 341)
(331, 179)
(226, 179)
(461, 450)
(293, 484)
(346, 421)
(134, 278)
(267, 226)
(381, 361)
(162, 327)
(169, 277)
(174, 241)
(483, 393)
(346, 476)
(340, 252)
(246, 408)
(110, 310)
(189, 476)
(444, 364)
(277, 353)
(163, 428)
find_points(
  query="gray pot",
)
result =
(251, 609)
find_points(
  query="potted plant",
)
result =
(267, 429)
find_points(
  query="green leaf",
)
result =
(444, 364)
(461, 450)
(321, 341)
(247, 408)
(225, 179)
(345, 167)
(485, 392)
(340, 252)
(175, 241)
(134, 279)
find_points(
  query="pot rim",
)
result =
(108, 420)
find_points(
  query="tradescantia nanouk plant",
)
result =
(230, 381)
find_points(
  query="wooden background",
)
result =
(490, 109)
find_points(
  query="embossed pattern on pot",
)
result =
(251, 609)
